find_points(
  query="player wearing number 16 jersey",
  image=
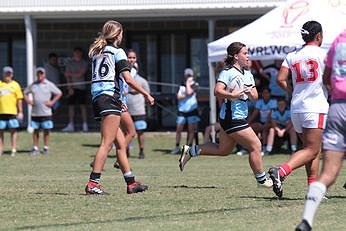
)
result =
(109, 67)
(309, 106)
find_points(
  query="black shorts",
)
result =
(233, 125)
(40, 119)
(79, 97)
(188, 114)
(7, 117)
(138, 117)
(106, 105)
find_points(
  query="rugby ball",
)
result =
(236, 84)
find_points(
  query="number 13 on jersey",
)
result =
(306, 71)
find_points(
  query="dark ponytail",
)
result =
(309, 30)
(233, 49)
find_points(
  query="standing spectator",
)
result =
(187, 109)
(281, 125)
(334, 137)
(11, 107)
(75, 74)
(233, 115)
(44, 95)
(259, 119)
(53, 73)
(261, 79)
(309, 104)
(270, 73)
(52, 69)
(136, 102)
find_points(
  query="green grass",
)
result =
(47, 192)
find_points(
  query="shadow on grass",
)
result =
(109, 156)
(138, 218)
(91, 145)
(274, 198)
(163, 151)
(336, 197)
(192, 187)
(53, 193)
(18, 152)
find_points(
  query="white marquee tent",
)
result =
(278, 32)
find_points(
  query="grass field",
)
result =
(47, 192)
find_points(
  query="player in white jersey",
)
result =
(233, 115)
(110, 65)
(309, 106)
(334, 136)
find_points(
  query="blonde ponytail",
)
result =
(97, 46)
(110, 34)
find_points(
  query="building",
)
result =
(168, 36)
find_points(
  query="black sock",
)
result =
(141, 150)
(177, 144)
(129, 179)
(95, 177)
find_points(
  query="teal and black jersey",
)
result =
(238, 108)
(189, 103)
(106, 70)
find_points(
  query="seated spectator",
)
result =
(259, 119)
(281, 125)
(208, 130)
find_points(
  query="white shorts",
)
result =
(308, 120)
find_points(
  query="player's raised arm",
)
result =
(133, 84)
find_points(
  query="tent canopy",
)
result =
(277, 33)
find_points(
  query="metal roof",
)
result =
(132, 8)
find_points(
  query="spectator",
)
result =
(281, 125)
(75, 74)
(259, 120)
(11, 107)
(208, 130)
(136, 102)
(270, 73)
(44, 95)
(53, 73)
(256, 68)
(187, 109)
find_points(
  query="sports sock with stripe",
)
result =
(129, 177)
(95, 177)
(261, 177)
(194, 150)
(284, 170)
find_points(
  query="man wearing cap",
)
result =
(187, 109)
(44, 95)
(11, 107)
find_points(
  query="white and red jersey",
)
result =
(309, 93)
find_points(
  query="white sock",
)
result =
(194, 150)
(269, 148)
(293, 148)
(314, 196)
(128, 174)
